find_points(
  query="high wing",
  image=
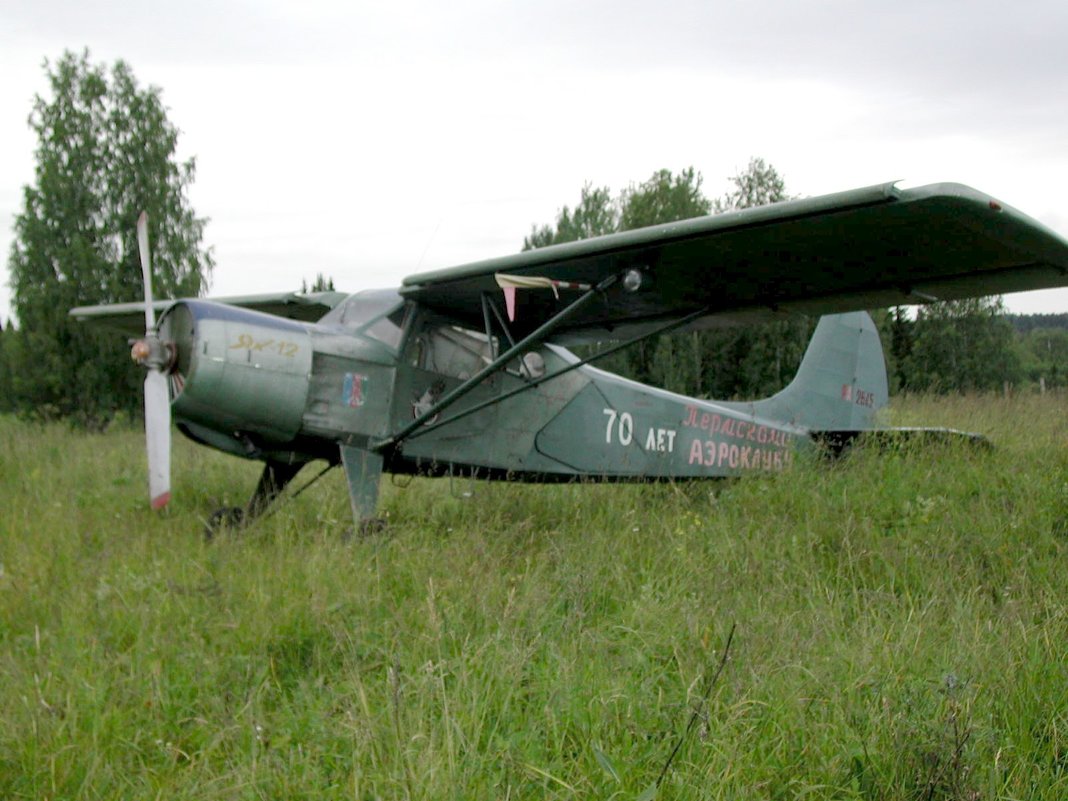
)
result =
(867, 248)
(130, 317)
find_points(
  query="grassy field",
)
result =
(902, 629)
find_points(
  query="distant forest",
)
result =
(960, 346)
(1026, 323)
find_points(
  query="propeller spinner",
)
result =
(157, 357)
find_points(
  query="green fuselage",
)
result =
(278, 390)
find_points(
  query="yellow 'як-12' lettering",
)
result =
(283, 348)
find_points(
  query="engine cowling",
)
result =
(237, 371)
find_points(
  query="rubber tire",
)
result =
(225, 517)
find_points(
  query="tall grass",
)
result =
(902, 628)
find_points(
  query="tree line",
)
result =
(106, 150)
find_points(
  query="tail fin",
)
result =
(841, 383)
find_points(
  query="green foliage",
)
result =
(960, 346)
(7, 356)
(595, 215)
(902, 619)
(1045, 355)
(663, 198)
(105, 152)
(758, 185)
(896, 330)
(321, 284)
(1026, 323)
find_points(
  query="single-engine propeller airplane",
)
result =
(465, 371)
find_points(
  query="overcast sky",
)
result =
(368, 141)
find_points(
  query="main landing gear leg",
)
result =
(362, 471)
(275, 477)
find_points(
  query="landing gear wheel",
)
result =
(226, 517)
(367, 527)
(370, 526)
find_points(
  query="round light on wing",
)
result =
(633, 280)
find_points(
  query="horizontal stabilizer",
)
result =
(837, 442)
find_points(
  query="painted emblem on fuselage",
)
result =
(352, 392)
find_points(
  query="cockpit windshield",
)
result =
(377, 313)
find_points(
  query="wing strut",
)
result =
(489, 325)
(488, 303)
(536, 336)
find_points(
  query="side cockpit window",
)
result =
(457, 351)
(449, 350)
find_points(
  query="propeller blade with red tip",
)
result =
(158, 437)
(157, 393)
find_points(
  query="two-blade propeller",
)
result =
(157, 357)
